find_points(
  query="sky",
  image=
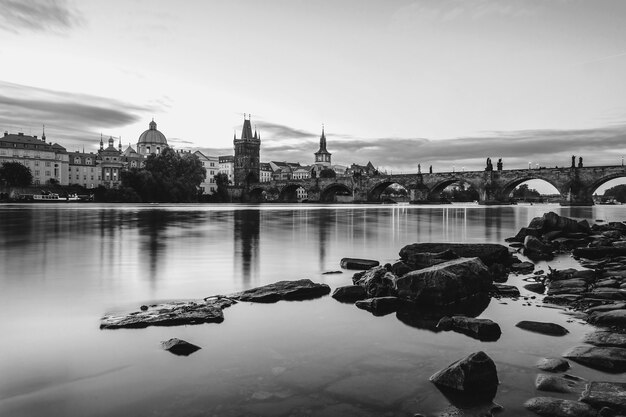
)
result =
(446, 83)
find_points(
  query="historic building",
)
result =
(211, 165)
(85, 169)
(247, 162)
(151, 141)
(266, 172)
(322, 156)
(47, 162)
(111, 163)
(227, 166)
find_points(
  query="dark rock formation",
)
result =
(356, 263)
(553, 383)
(534, 248)
(609, 318)
(445, 283)
(303, 289)
(489, 253)
(553, 365)
(556, 407)
(606, 338)
(179, 347)
(481, 329)
(551, 329)
(606, 394)
(523, 267)
(379, 306)
(609, 359)
(536, 287)
(349, 294)
(502, 290)
(377, 281)
(474, 375)
(172, 314)
(599, 252)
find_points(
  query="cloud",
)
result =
(70, 118)
(279, 131)
(38, 16)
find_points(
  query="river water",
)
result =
(62, 266)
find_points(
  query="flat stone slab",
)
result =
(608, 318)
(170, 314)
(550, 329)
(556, 407)
(303, 289)
(606, 338)
(609, 359)
(504, 290)
(357, 264)
(606, 394)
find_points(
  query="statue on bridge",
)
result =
(489, 165)
(500, 164)
(419, 169)
(430, 170)
(580, 162)
(573, 161)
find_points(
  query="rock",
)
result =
(502, 290)
(474, 375)
(356, 263)
(552, 235)
(550, 329)
(561, 299)
(553, 365)
(377, 281)
(303, 289)
(418, 260)
(552, 221)
(617, 226)
(144, 308)
(600, 252)
(489, 253)
(400, 268)
(569, 283)
(536, 287)
(607, 293)
(349, 293)
(523, 232)
(379, 306)
(556, 407)
(523, 267)
(481, 329)
(607, 307)
(498, 272)
(445, 283)
(533, 244)
(552, 383)
(332, 272)
(612, 234)
(608, 318)
(606, 394)
(171, 314)
(606, 338)
(608, 283)
(179, 347)
(609, 359)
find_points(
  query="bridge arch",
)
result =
(329, 193)
(437, 189)
(591, 189)
(289, 193)
(508, 188)
(257, 195)
(373, 194)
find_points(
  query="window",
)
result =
(47, 173)
(88, 161)
(77, 176)
(36, 172)
(47, 163)
(36, 163)
(77, 161)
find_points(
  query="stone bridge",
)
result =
(576, 185)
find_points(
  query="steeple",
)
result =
(322, 156)
(119, 146)
(152, 124)
(111, 142)
(101, 142)
(43, 133)
(246, 132)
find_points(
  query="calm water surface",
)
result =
(63, 266)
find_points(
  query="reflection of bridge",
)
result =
(576, 185)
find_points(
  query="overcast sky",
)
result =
(397, 82)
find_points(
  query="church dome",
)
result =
(152, 136)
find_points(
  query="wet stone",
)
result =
(553, 364)
(556, 407)
(606, 394)
(303, 289)
(551, 329)
(606, 338)
(553, 383)
(179, 347)
(609, 359)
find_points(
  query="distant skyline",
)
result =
(401, 82)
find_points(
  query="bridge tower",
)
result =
(322, 156)
(247, 166)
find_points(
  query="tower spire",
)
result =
(43, 133)
(101, 142)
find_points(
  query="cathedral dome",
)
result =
(152, 136)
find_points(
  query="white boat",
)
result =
(55, 197)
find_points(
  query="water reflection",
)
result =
(246, 244)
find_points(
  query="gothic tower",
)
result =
(322, 156)
(247, 165)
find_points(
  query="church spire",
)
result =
(43, 133)
(101, 142)
(119, 146)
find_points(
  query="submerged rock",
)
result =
(179, 347)
(445, 283)
(553, 383)
(609, 359)
(551, 329)
(172, 314)
(481, 329)
(379, 306)
(489, 253)
(356, 263)
(553, 364)
(303, 289)
(502, 290)
(349, 293)
(474, 375)
(556, 407)
(606, 394)
(606, 338)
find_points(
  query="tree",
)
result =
(167, 177)
(618, 193)
(221, 180)
(15, 174)
(523, 192)
(327, 173)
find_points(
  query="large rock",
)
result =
(418, 260)
(553, 364)
(536, 246)
(551, 329)
(551, 221)
(356, 263)
(489, 253)
(179, 347)
(553, 383)
(445, 283)
(171, 314)
(474, 375)
(608, 318)
(556, 407)
(349, 293)
(606, 394)
(377, 281)
(606, 338)
(481, 329)
(303, 289)
(610, 359)
(379, 306)
(600, 252)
